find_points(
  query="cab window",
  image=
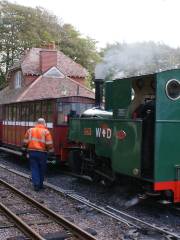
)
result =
(173, 89)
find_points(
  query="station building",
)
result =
(44, 73)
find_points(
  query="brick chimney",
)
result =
(48, 56)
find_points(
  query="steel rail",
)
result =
(21, 224)
(74, 197)
(98, 208)
(119, 218)
(123, 220)
(160, 230)
(103, 210)
(75, 230)
(11, 151)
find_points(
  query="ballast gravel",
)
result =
(84, 216)
(68, 209)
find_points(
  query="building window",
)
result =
(18, 79)
(54, 72)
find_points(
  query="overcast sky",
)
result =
(109, 21)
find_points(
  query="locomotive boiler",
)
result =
(136, 135)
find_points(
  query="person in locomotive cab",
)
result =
(38, 141)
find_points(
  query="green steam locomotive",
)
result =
(136, 135)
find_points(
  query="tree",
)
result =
(24, 27)
(21, 28)
(80, 49)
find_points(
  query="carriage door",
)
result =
(61, 129)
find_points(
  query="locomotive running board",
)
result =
(11, 151)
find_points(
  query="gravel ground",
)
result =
(115, 196)
(7, 229)
(72, 210)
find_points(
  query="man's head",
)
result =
(41, 121)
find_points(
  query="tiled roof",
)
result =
(69, 67)
(9, 95)
(45, 88)
(30, 64)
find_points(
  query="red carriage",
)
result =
(36, 88)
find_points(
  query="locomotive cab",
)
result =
(143, 108)
(152, 151)
(133, 103)
(16, 118)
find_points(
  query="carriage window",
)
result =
(49, 112)
(20, 112)
(66, 110)
(38, 110)
(173, 89)
(10, 113)
(17, 112)
(81, 107)
(60, 113)
(63, 112)
(23, 112)
(31, 112)
(6, 113)
(27, 111)
(1, 117)
(14, 112)
(44, 110)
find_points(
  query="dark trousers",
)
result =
(38, 163)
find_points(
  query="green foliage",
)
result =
(2, 81)
(80, 49)
(24, 27)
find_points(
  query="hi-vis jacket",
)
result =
(38, 138)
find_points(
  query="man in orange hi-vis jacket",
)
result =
(38, 141)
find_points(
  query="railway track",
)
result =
(121, 216)
(33, 218)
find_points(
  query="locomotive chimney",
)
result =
(98, 92)
(98, 81)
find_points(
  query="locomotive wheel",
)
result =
(75, 161)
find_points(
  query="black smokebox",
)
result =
(98, 92)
